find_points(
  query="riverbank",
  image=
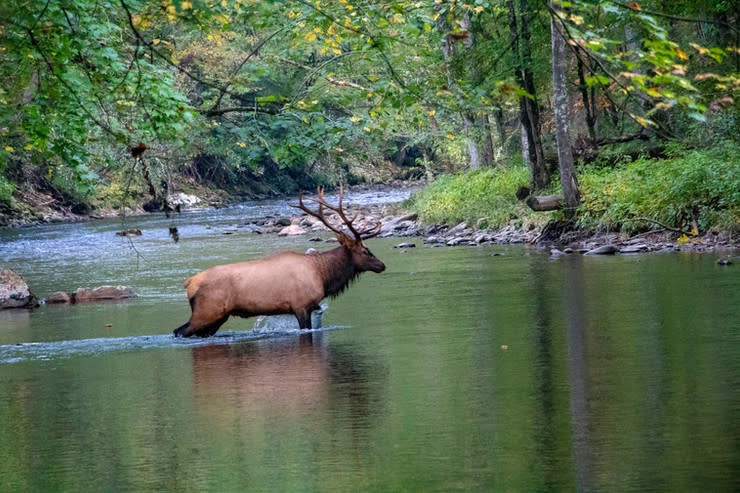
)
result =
(400, 221)
(405, 224)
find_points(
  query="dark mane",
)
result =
(337, 270)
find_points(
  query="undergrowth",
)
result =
(688, 188)
(484, 197)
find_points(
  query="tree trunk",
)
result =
(487, 154)
(588, 104)
(525, 147)
(498, 117)
(449, 48)
(568, 177)
(528, 109)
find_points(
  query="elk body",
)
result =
(283, 283)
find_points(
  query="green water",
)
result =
(478, 369)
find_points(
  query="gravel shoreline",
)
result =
(407, 226)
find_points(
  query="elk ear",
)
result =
(346, 241)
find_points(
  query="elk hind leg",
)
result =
(203, 322)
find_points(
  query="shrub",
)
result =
(6, 191)
(700, 185)
(487, 194)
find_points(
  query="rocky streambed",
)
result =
(407, 225)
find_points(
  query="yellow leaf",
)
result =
(186, 5)
(683, 239)
(156, 41)
(681, 54)
(654, 92)
(9, 149)
(310, 37)
(576, 19)
(694, 232)
(450, 136)
(432, 112)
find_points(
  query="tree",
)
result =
(529, 113)
(568, 178)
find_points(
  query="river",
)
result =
(478, 369)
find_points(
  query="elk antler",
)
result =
(359, 235)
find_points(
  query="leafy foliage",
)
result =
(244, 86)
(703, 186)
(487, 194)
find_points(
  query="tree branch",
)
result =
(254, 51)
(673, 17)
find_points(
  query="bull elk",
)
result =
(283, 283)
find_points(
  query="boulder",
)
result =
(60, 297)
(460, 240)
(14, 292)
(292, 230)
(282, 221)
(129, 232)
(603, 250)
(84, 295)
(460, 228)
(182, 200)
(637, 248)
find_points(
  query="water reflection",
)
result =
(287, 378)
(578, 392)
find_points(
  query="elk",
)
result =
(282, 283)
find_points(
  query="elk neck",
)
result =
(336, 269)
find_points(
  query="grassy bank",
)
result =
(689, 188)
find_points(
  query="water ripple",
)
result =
(44, 351)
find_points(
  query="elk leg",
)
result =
(304, 318)
(210, 329)
(181, 330)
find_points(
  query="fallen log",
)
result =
(545, 202)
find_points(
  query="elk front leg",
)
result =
(304, 318)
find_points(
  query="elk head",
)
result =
(362, 257)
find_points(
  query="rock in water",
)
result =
(60, 297)
(14, 292)
(129, 232)
(83, 295)
(603, 250)
(292, 230)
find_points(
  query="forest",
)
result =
(588, 114)
(162, 173)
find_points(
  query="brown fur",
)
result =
(283, 283)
